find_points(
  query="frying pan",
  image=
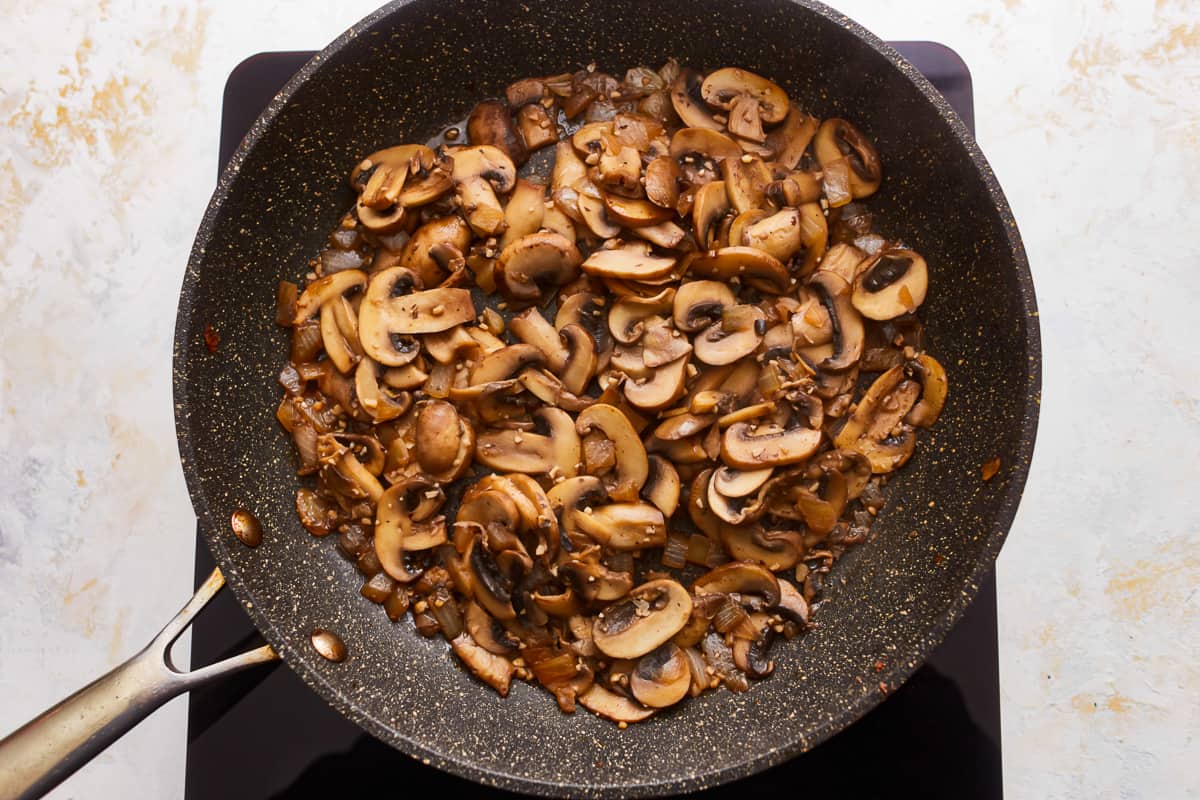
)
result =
(402, 74)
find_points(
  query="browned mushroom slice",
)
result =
(396, 532)
(891, 283)
(323, 290)
(505, 363)
(662, 344)
(635, 212)
(666, 235)
(627, 262)
(523, 213)
(662, 485)
(844, 260)
(494, 670)
(735, 336)
(794, 189)
(746, 264)
(589, 139)
(742, 578)
(739, 224)
(848, 331)
(704, 142)
(699, 304)
(777, 235)
(688, 102)
(740, 483)
(665, 387)
(595, 213)
(556, 221)
(556, 451)
(536, 264)
(876, 428)
(384, 319)
(537, 129)
(748, 447)
(380, 221)
(709, 207)
(934, 388)
(627, 319)
(380, 176)
(746, 180)
(647, 618)
(662, 677)
(613, 706)
(838, 140)
(479, 173)
(532, 328)
(568, 175)
(449, 346)
(811, 323)
(624, 526)
(486, 632)
(632, 466)
(662, 182)
(723, 87)
(621, 172)
(380, 403)
(734, 509)
(776, 550)
(417, 253)
(491, 124)
(437, 435)
(580, 365)
(792, 603)
(792, 138)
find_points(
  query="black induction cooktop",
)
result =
(264, 734)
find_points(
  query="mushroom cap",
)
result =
(722, 87)
(739, 482)
(535, 264)
(485, 162)
(634, 211)
(891, 283)
(595, 214)
(437, 436)
(663, 388)
(648, 617)
(628, 316)
(662, 677)
(791, 139)
(662, 182)
(743, 446)
(491, 124)
(698, 304)
(718, 344)
(384, 318)
(746, 180)
(580, 365)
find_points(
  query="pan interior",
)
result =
(402, 75)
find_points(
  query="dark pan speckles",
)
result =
(410, 69)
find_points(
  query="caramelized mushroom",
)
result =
(838, 140)
(536, 264)
(491, 124)
(479, 173)
(747, 447)
(648, 617)
(891, 283)
(662, 677)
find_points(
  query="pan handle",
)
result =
(52, 746)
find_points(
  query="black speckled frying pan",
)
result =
(403, 74)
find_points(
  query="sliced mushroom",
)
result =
(711, 204)
(568, 175)
(396, 532)
(811, 323)
(746, 264)
(491, 124)
(665, 387)
(384, 319)
(688, 101)
(740, 483)
(613, 706)
(724, 87)
(776, 550)
(479, 173)
(647, 618)
(380, 403)
(580, 364)
(876, 428)
(746, 180)
(792, 603)
(595, 213)
(662, 677)
(891, 283)
(666, 235)
(536, 264)
(632, 263)
(621, 172)
(494, 670)
(662, 182)
(733, 337)
(934, 388)
(437, 436)
(505, 363)
(380, 177)
(741, 578)
(324, 290)
(635, 212)
(704, 142)
(747, 447)
(627, 319)
(523, 213)
(777, 235)
(848, 331)
(838, 140)
(698, 304)
(557, 452)
(417, 253)
(537, 129)
(486, 632)
(632, 466)
(662, 485)
(624, 526)
(532, 328)
(662, 344)
(734, 509)
(450, 346)
(792, 138)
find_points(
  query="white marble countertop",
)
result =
(1090, 115)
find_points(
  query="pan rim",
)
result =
(896, 674)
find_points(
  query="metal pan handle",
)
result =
(51, 747)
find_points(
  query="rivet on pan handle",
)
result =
(52, 746)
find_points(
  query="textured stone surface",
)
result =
(109, 141)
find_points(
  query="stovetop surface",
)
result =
(264, 734)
